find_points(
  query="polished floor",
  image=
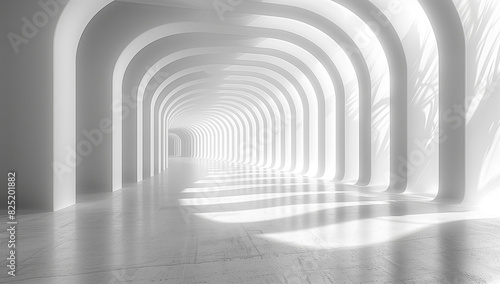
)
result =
(213, 222)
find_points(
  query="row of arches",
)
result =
(328, 89)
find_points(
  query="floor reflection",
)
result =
(214, 222)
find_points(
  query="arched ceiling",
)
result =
(331, 77)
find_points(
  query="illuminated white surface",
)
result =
(274, 213)
(70, 27)
(360, 233)
(142, 234)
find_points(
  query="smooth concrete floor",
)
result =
(213, 222)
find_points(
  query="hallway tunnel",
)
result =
(356, 92)
(393, 98)
(369, 93)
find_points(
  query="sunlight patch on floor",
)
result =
(367, 232)
(277, 213)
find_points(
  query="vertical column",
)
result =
(452, 94)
